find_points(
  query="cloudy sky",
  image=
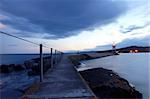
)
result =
(71, 25)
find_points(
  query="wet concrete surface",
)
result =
(63, 81)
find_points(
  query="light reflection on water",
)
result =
(133, 67)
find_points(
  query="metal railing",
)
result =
(55, 55)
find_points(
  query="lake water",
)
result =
(17, 58)
(133, 67)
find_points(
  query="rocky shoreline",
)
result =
(75, 59)
(105, 83)
(16, 79)
(32, 66)
(11, 68)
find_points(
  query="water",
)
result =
(133, 67)
(17, 58)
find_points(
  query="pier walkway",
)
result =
(63, 81)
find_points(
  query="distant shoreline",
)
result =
(141, 49)
(25, 54)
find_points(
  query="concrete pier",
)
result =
(63, 81)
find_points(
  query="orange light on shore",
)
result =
(136, 51)
(131, 51)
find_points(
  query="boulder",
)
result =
(28, 64)
(107, 85)
(6, 68)
(18, 67)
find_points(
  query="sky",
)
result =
(74, 25)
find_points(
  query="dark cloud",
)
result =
(125, 43)
(12, 45)
(135, 42)
(133, 27)
(100, 48)
(61, 18)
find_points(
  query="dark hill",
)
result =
(140, 49)
(127, 49)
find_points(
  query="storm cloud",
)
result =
(133, 27)
(125, 43)
(59, 18)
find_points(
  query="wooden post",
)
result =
(51, 57)
(41, 64)
(55, 57)
(59, 56)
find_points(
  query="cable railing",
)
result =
(44, 62)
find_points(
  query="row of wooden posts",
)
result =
(56, 53)
(56, 59)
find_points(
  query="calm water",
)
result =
(16, 58)
(133, 67)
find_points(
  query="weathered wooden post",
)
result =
(55, 57)
(59, 56)
(41, 64)
(51, 57)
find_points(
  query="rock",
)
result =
(10, 68)
(76, 58)
(33, 65)
(28, 64)
(18, 67)
(107, 84)
(32, 73)
(35, 70)
(6, 68)
(116, 92)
